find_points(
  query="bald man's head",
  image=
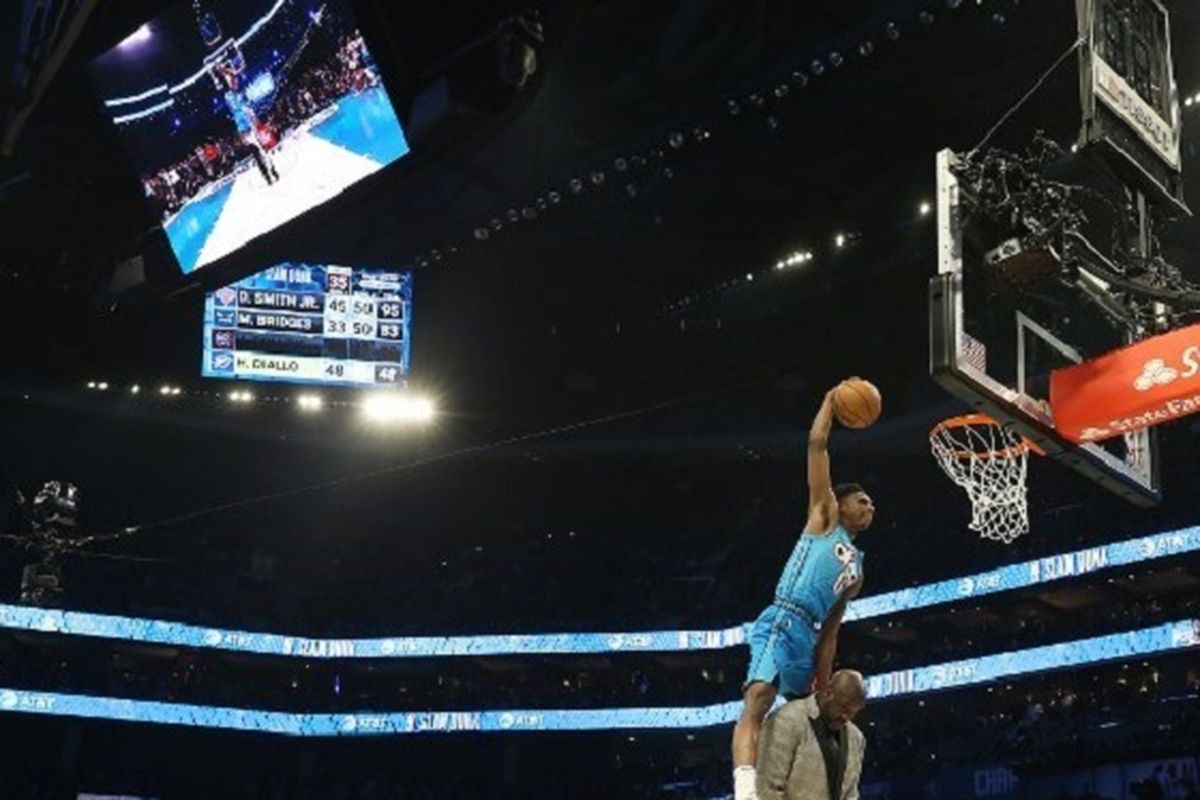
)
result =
(843, 698)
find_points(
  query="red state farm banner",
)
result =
(1144, 384)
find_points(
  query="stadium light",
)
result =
(397, 408)
(926, 208)
(840, 240)
(140, 36)
(134, 389)
(310, 402)
(164, 390)
(102, 386)
(91, 384)
(241, 397)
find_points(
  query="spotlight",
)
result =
(134, 389)
(91, 384)
(397, 408)
(102, 386)
(1075, 147)
(310, 402)
(140, 36)
(241, 396)
(840, 240)
(164, 390)
(175, 391)
(926, 208)
(750, 276)
(1189, 101)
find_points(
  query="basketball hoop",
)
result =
(990, 461)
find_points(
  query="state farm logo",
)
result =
(1155, 373)
(1093, 434)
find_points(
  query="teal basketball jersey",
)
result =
(819, 569)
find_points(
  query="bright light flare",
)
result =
(140, 36)
(398, 408)
(310, 402)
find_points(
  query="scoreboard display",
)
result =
(304, 323)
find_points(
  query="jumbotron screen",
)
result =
(305, 323)
(240, 115)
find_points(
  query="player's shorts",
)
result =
(781, 651)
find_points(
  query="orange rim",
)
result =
(967, 420)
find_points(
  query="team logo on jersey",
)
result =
(847, 556)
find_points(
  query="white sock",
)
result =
(743, 783)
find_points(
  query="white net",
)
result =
(990, 462)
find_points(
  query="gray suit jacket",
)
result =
(790, 763)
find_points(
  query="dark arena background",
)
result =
(478, 491)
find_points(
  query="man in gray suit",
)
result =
(810, 749)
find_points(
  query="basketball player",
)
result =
(822, 574)
(246, 121)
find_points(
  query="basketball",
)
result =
(857, 403)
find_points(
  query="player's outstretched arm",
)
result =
(825, 651)
(822, 505)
